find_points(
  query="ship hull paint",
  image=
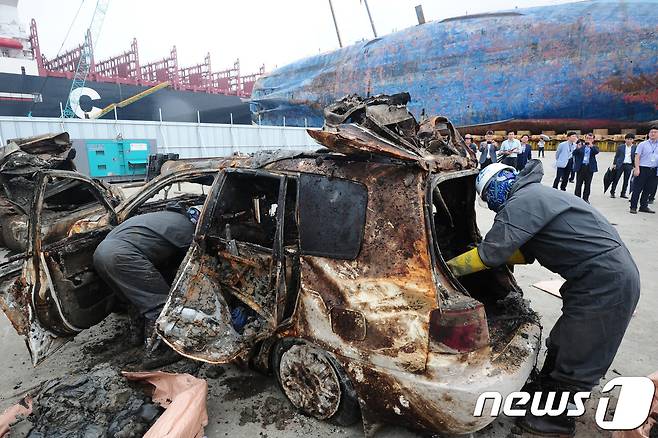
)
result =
(176, 106)
(578, 61)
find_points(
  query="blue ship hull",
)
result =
(592, 62)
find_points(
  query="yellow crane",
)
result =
(132, 99)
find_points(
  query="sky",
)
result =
(269, 32)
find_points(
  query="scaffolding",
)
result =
(126, 68)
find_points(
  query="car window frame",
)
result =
(336, 255)
(126, 208)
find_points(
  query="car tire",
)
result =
(314, 382)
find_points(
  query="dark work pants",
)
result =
(625, 170)
(562, 175)
(643, 186)
(596, 310)
(485, 163)
(540, 152)
(135, 275)
(584, 178)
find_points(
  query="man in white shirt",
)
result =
(510, 149)
(623, 164)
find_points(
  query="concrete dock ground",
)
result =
(242, 403)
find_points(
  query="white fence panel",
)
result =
(190, 140)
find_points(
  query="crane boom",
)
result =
(86, 56)
(132, 99)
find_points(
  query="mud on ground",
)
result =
(95, 400)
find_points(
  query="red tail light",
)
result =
(459, 328)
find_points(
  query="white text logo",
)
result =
(633, 405)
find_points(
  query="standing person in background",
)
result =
(488, 150)
(540, 148)
(572, 173)
(525, 153)
(510, 150)
(652, 195)
(623, 164)
(645, 171)
(564, 160)
(584, 165)
(468, 139)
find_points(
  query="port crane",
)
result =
(86, 56)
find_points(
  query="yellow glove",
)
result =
(470, 262)
(466, 263)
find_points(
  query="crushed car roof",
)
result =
(366, 129)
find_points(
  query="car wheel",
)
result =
(315, 383)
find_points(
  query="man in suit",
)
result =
(564, 160)
(525, 153)
(623, 164)
(488, 150)
(584, 165)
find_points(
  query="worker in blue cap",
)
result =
(571, 238)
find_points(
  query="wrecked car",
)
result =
(21, 160)
(337, 259)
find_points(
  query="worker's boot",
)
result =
(550, 426)
(157, 353)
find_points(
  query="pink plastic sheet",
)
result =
(24, 408)
(184, 398)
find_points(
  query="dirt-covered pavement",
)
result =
(243, 403)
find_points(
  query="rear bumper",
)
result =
(443, 398)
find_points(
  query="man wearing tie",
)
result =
(525, 153)
(623, 164)
(584, 165)
(487, 150)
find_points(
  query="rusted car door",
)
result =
(239, 268)
(50, 292)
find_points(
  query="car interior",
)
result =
(85, 299)
(242, 238)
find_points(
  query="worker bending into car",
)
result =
(138, 258)
(571, 238)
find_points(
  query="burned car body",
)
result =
(21, 160)
(352, 302)
(334, 263)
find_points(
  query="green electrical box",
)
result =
(118, 159)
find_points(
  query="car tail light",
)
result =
(459, 328)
